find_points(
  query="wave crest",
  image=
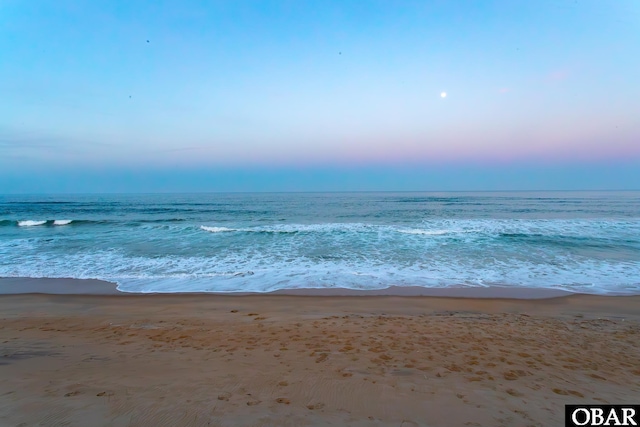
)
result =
(425, 232)
(216, 229)
(30, 223)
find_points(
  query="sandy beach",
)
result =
(298, 360)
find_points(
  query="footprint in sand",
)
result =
(315, 406)
(567, 392)
(515, 374)
(322, 357)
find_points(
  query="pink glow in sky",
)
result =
(337, 84)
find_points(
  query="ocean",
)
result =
(240, 242)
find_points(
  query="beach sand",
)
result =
(292, 360)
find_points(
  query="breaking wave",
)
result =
(30, 223)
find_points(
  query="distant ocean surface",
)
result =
(576, 241)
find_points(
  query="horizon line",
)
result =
(322, 191)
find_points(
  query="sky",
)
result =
(155, 96)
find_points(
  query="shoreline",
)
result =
(69, 286)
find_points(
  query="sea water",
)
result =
(240, 242)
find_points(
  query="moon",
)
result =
(443, 94)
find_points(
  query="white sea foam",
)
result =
(62, 222)
(216, 229)
(299, 228)
(260, 271)
(30, 223)
(426, 232)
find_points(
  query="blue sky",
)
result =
(325, 95)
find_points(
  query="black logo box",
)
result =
(601, 415)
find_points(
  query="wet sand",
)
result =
(56, 286)
(286, 360)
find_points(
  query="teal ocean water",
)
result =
(576, 241)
